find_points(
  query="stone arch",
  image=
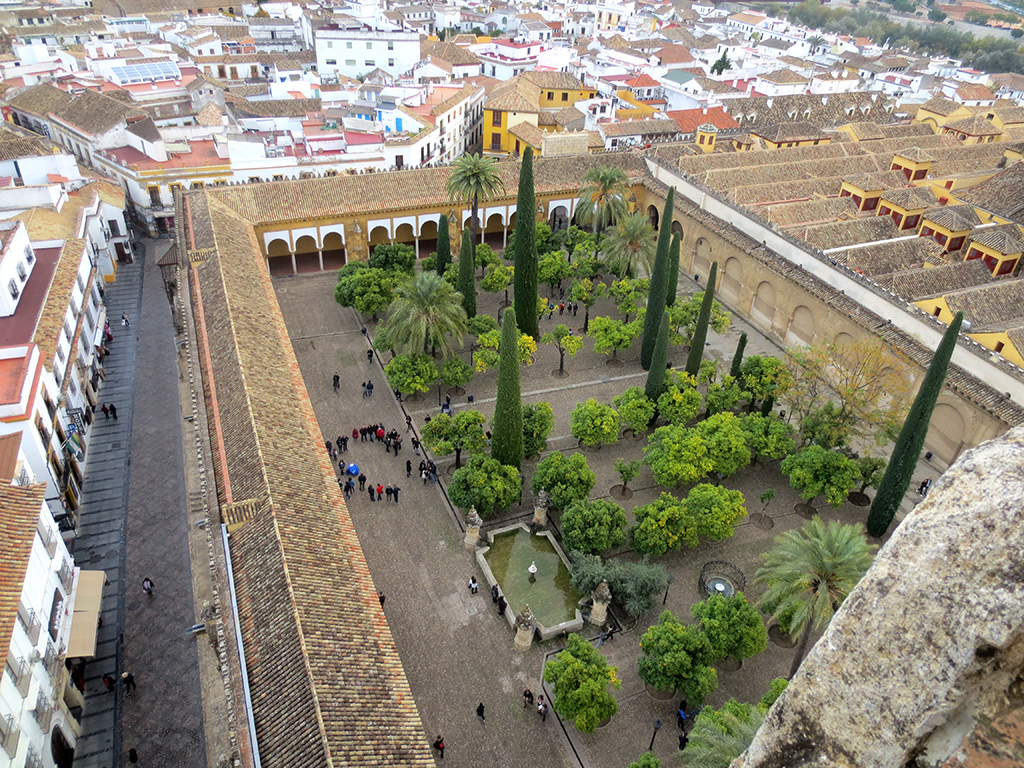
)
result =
(762, 310)
(278, 247)
(801, 326)
(559, 218)
(732, 280)
(379, 236)
(844, 339)
(404, 234)
(334, 251)
(494, 233)
(428, 239)
(280, 260)
(307, 254)
(654, 215)
(946, 432)
(677, 227)
(702, 257)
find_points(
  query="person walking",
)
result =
(356, 433)
(129, 682)
(108, 681)
(362, 481)
(480, 711)
(349, 486)
(415, 446)
(382, 598)
(113, 411)
(494, 593)
(527, 698)
(344, 444)
(542, 709)
(373, 493)
(408, 467)
(474, 585)
(124, 320)
(337, 382)
(369, 389)
(408, 423)
(389, 491)
(133, 756)
(502, 605)
(106, 411)
(369, 355)
(683, 740)
(394, 492)
(147, 585)
(439, 745)
(380, 491)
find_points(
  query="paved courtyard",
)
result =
(455, 649)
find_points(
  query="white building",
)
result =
(353, 49)
(49, 612)
(503, 59)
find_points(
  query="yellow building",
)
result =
(534, 98)
(913, 161)
(949, 225)
(973, 130)
(906, 206)
(1000, 247)
(799, 134)
(867, 189)
(939, 110)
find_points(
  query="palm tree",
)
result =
(815, 41)
(426, 312)
(630, 242)
(713, 746)
(602, 198)
(809, 573)
(474, 178)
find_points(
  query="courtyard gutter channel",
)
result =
(565, 735)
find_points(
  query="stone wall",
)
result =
(929, 647)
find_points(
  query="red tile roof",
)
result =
(689, 119)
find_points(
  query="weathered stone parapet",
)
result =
(929, 644)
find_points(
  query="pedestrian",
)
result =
(542, 709)
(502, 605)
(602, 637)
(344, 444)
(561, 309)
(480, 711)
(349, 486)
(129, 682)
(369, 355)
(106, 411)
(397, 442)
(408, 423)
(561, 293)
(394, 491)
(575, 308)
(373, 493)
(108, 681)
(369, 389)
(334, 453)
(408, 467)
(337, 382)
(609, 635)
(681, 718)
(380, 433)
(147, 585)
(382, 598)
(447, 399)
(683, 739)
(398, 396)
(527, 698)
(439, 745)
(474, 585)
(415, 446)
(389, 492)
(362, 481)
(380, 491)
(922, 489)
(424, 475)
(133, 756)
(124, 319)
(494, 593)
(113, 411)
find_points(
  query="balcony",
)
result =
(32, 759)
(21, 673)
(49, 537)
(53, 660)
(30, 621)
(43, 712)
(67, 576)
(10, 734)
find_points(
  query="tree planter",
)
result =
(729, 664)
(780, 638)
(762, 521)
(415, 397)
(588, 448)
(621, 492)
(657, 693)
(559, 374)
(612, 362)
(603, 723)
(628, 433)
(806, 511)
(859, 499)
(457, 391)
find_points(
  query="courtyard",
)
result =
(456, 650)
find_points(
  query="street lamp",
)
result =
(665, 598)
(657, 727)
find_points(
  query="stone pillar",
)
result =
(602, 596)
(525, 622)
(473, 523)
(295, 269)
(320, 256)
(540, 509)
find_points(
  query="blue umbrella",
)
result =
(353, 469)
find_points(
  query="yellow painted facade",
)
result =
(497, 122)
(999, 342)
(999, 263)
(936, 121)
(947, 238)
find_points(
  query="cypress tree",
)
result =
(737, 359)
(659, 361)
(700, 333)
(526, 251)
(767, 406)
(659, 285)
(467, 281)
(905, 452)
(507, 441)
(444, 245)
(673, 269)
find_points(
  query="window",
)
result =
(496, 119)
(348, 45)
(495, 145)
(999, 344)
(369, 46)
(350, 62)
(956, 243)
(565, 97)
(332, 62)
(21, 271)
(391, 62)
(551, 95)
(13, 288)
(60, 354)
(370, 63)
(974, 253)
(278, 177)
(198, 185)
(391, 46)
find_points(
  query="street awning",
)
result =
(86, 618)
(97, 338)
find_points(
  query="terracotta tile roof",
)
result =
(808, 212)
(1008, 115)
(515, 95)
(821, 110)
(995, 306)
(866, 131)
(915, 284)
(17, 147)
(798, 131)
(941, 106)
(911, 198)
(278, 107)
(40, 100)
(94, 113)
(883, 258)
(915, 155)
(453, 54)
(906, 131)
(1002, 195)
(58, 298)
(19, 519)
(1005, 238)
(652, 127)
(877, 182)
(973, 126)
(312, 198)
(956, 218)
(546, 79)
(689, 119)
(674, 54)
(642, 81)
(568, 115)
(975, 92)
(454, 100)
(836, 235)
(782, 77)
(767, 192)
(531, 134)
